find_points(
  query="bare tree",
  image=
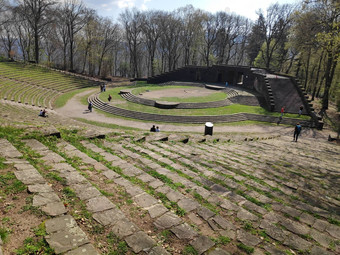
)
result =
(76, 16)
(108, 34)
(23, 33)
(211, 28)
(61, 30)
(192, 30)
(151, 32)
(275, 25)
(35, 13)
(7, 35)
(171, 27)
(131, 21)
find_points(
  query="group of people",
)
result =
(43, 113)
(154, 129)
(298, 128)
(102, 87)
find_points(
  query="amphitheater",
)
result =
(81, 182)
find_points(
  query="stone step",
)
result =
(164, 219)
(102, 209)
(48, 201)
(283, 209)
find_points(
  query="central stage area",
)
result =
(182, 102)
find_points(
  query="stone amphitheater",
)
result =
(68, 187)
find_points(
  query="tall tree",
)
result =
(276, 25)
(7, 35)
(76, 16)
(211, 28)
(151, 31)
(192, 30)
(108, 34)
(256, 39)
(35, 13)
(131, 21)
(329, 38)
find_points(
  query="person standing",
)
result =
(282, 110)
(297, 132)
(109, 98)
(90, 107)
(300, 110)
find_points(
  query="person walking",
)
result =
(90, 107)
(297, 132)
(109, 98)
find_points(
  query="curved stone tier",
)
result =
(126, 94)
(99, 104)
(214, 87)
(166, 105)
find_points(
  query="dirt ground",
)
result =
(18, 222)
(178, 92)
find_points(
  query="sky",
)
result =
(247, 8)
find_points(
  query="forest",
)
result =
(302, 40)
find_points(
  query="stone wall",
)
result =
(233, 75)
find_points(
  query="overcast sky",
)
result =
(247, 8)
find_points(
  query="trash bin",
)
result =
(208, 128)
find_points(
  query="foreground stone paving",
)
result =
(102, 209)
(163, 218)
(64, 235)
(263, 196)
(290, 221)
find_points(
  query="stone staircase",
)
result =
(262, 194)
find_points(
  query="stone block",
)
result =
(140, 242)
(202, 244)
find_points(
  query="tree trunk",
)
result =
(317, 75)
(320, 86)
(307, 69)
(36, 46)
(330, 69)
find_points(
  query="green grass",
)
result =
(245, 248)
(10, 185)
(64, 98)
(2, 164)
(189, 250)
(4, 233)
(36, 244)
(116, 246)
